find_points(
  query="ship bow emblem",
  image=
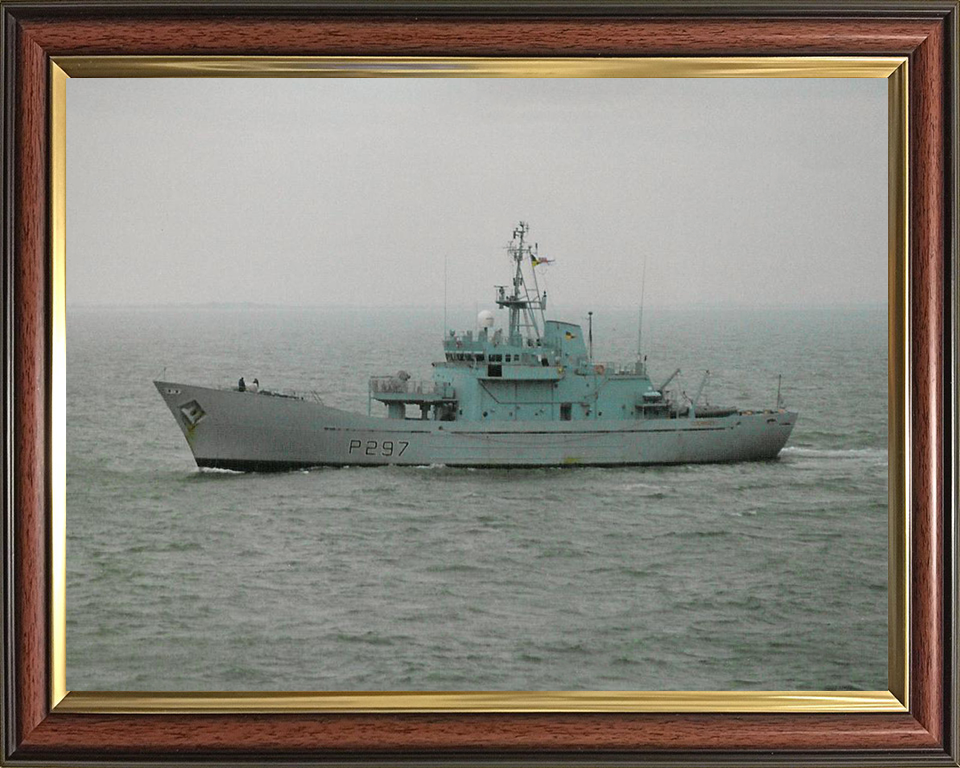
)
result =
(192, 413)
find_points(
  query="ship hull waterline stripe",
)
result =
(253, 465)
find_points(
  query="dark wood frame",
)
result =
(926, 32)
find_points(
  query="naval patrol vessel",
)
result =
(527, 395)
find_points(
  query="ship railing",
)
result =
(297, 394)
(395, 385)
(293, 394)
(615, 367)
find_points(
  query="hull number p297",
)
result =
(378, 448)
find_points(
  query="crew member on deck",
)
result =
(241, 386)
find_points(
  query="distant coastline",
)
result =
(256, 306)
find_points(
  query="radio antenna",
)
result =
(643, 286)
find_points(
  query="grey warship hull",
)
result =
(249, 431)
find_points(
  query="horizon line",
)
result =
(461, 307)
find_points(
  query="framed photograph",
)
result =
(493, 382)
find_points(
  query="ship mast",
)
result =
(526, 304)
(641, 367)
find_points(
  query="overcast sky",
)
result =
(355, 191)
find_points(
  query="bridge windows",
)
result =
(466, 357)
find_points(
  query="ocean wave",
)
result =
(641, 487)
(455, 568)
(836, 453)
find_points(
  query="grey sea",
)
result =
(769, 575)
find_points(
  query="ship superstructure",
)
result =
(533, 370)
(527, 394)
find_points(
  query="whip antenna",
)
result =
(643, 286)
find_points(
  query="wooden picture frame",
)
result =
(41, 727)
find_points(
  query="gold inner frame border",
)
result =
(893, 69)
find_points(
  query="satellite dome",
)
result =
(485, 319)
